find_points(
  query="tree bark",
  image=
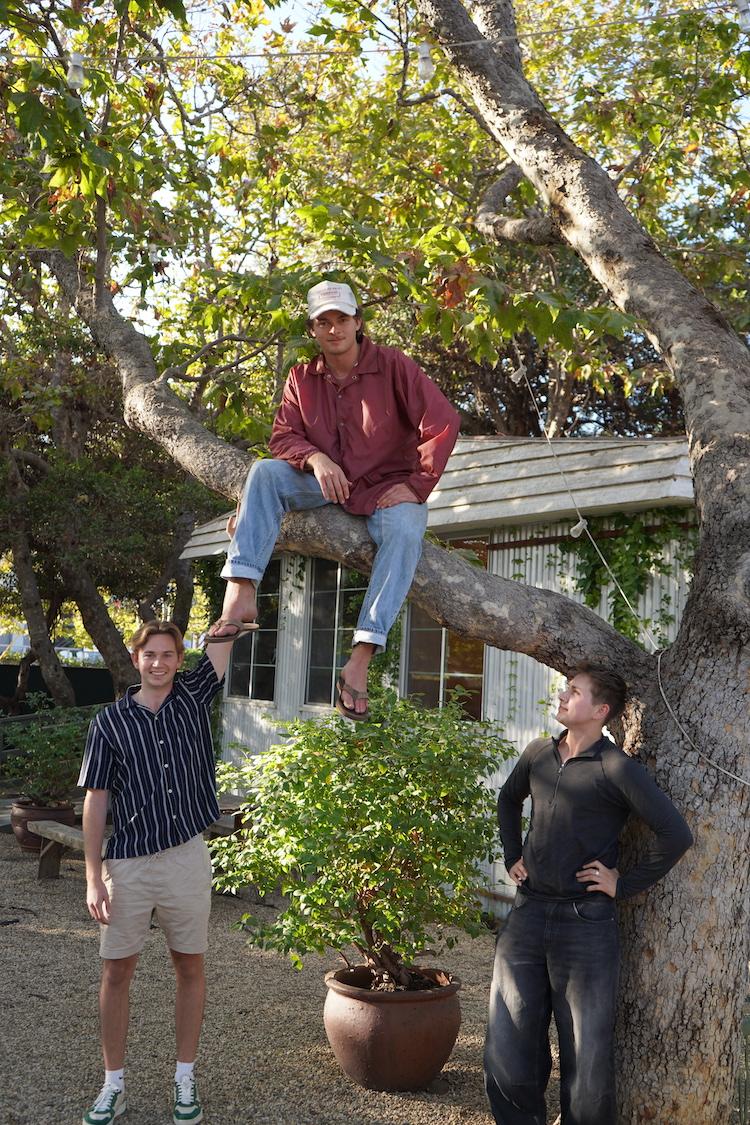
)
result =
(52, 670)
(99, 625)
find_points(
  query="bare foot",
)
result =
(354, 673)
(239, 600)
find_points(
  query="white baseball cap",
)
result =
(327, 295)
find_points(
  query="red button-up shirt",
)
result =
(386, 424)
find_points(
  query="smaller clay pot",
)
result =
(391, 1040)
(22, 812)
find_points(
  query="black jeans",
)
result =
(560, 957)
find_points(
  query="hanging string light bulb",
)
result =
(519, 373)
(425, 65)
(743, 9)
(74, 77)
(578, 529)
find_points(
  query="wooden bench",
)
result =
(58, 838)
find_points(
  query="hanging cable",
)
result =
(528, 36)
(734, 776)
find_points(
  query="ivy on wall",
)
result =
(634, 546)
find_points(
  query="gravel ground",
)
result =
(264, 1058)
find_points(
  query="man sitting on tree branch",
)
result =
(558, 951)
(361, 426)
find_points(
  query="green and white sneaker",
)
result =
(187, 1108)
(109, 1105)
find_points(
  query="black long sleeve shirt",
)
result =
(578, 810)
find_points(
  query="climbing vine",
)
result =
(634, 546)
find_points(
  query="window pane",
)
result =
(336, 597)
(324, 573)
(239, 678)
(463, 658)
(424, 650)
(252, 670)
(351, 604)
(464, 654)
(265, 647)
(424, 688)
(319, 685)
(471, 704)
(321, 648)
(264, 680)
(353, 580)
(324, 610)
(420, 619)
(239, 668)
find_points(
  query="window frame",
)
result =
(405, 671)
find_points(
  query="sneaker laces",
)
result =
(186, 1088)
(106, 1097)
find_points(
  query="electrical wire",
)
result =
(315, 52)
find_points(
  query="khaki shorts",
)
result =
(176, 883)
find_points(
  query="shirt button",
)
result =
(174, 816)
(161, 741)
(166, 765)
(169, 790)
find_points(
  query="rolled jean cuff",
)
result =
(240, 570)
(365, 637)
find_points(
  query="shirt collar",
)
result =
(592, 751)
(127, 701)
(366, 364)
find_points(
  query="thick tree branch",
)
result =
(537, 230)
(149, 405)
(466, 599)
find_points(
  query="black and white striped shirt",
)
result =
(158, 767)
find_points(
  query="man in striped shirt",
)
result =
(151, 754)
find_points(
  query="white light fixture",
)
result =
(74, 77)
(578, 529)
(154, 254)
(743, 9)
(425, 65)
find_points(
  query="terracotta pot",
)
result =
(23, 811)
(391, 1040)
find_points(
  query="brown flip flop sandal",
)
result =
(240, 627)
(349, 712)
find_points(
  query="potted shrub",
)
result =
(44, 768)
(374, 832)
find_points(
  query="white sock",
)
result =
(183, 1070)
(115, 1078)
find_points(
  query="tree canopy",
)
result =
(560, 208)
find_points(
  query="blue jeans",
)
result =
(274, 488)
(560, 957)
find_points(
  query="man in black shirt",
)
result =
(559, 950)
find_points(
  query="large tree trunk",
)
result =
(684, 974)
(686, 942)
(99, 625)
(52, 670)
